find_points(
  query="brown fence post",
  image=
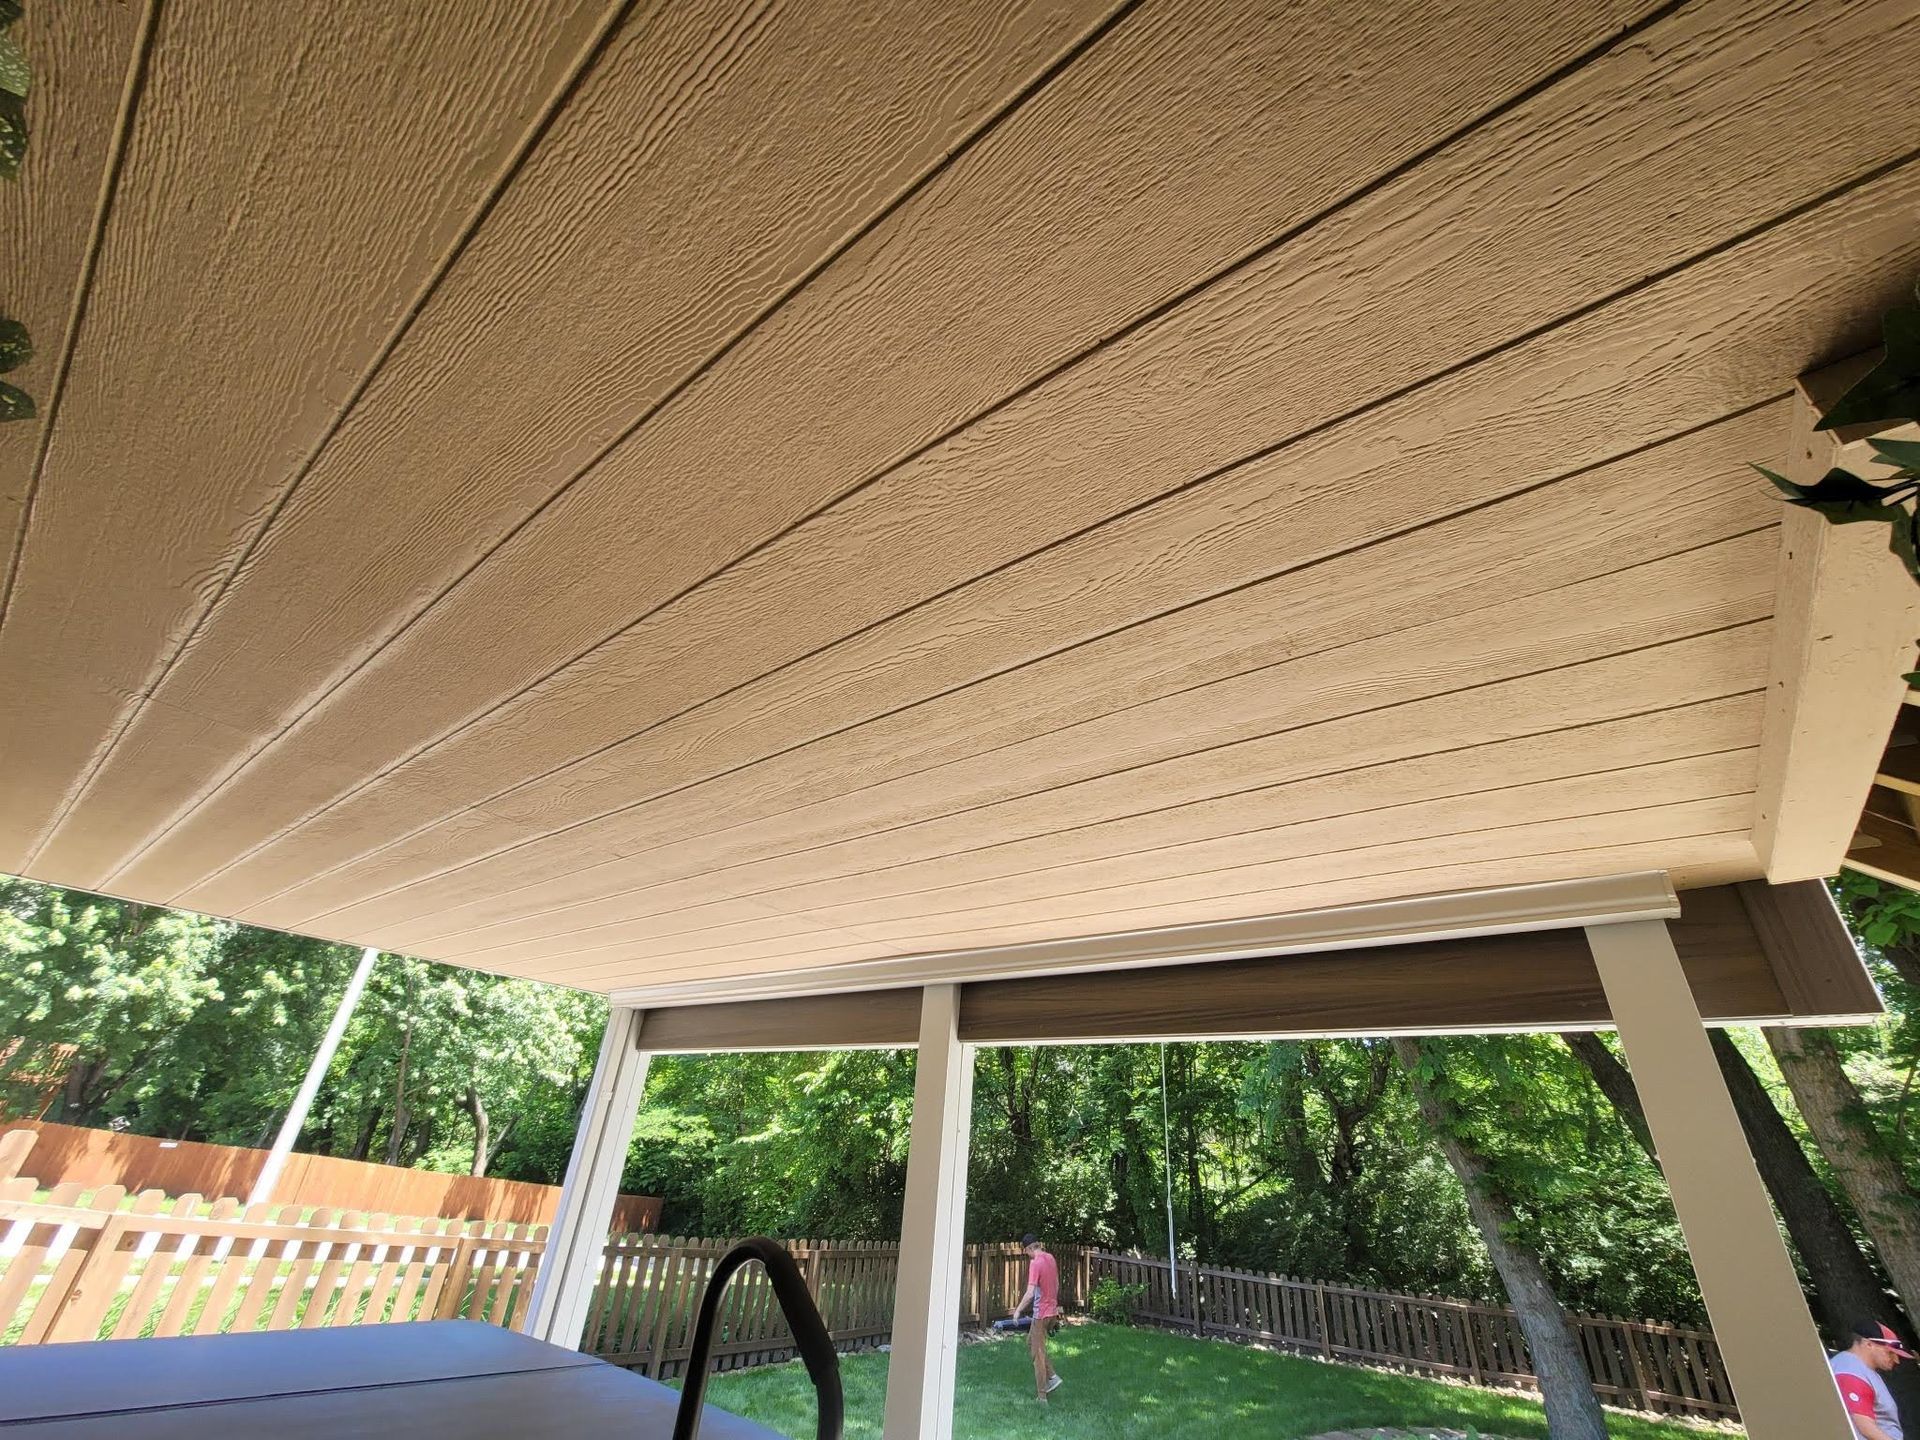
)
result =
(63, 1310)
(1320, 1308)
(1633, 1358)
(14, 1145)
(457, 1268)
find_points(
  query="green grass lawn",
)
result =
(1122, 1383)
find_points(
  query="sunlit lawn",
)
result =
(1122, 1383)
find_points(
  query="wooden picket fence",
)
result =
(1637, 1364)
(650, 1292)
(82, 1264)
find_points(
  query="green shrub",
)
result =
(1112, 1303)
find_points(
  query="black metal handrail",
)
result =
(810, 1336)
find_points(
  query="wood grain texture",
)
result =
(914, 620)
(1615, 373)
(621, 259)
(1089, 700)
(1701, 843)
(1545, 980)
(1118, 187)
(266, 239)
(1298, 796)
(1807, 944)
(82, 54)
(1420, 691)
(1171, 876)
(811, 1022)
(1236, 788)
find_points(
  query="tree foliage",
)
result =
(1307, 1157)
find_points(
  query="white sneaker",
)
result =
(1053, 1384)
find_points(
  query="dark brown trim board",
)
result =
(807, 1022)
(1752, 954)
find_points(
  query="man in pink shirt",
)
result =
(1043, 1294)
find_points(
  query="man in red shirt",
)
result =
(1872, 1351)
(1043, 1294)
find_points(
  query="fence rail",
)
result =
(1639, 1364)
(80, 1264)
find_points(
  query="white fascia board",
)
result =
(1502, 910)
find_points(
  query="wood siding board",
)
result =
(618, 262)
(1735, 37)
(1180, 89)
(1587, 792)
(83, 58)
(1397, 688)
(1703, 833)
(236, 224)
(1796, 248)
(1689, 668)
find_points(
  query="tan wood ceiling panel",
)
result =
(83, 55)
(710, 160)
(1412, 692)
(1710, 667)
(1267, 825)
(1521, 545)
(875, 482)
(1605, 745)
(1130, 168)
(265, 240)
(1615, 371)
(593, 707)
(1700, 842)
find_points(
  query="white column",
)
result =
(926, 1304)
(576, 1245)
(269, 1177)
(1767, 1335)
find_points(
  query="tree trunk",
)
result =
(1610, 1074)
(1844, 1284)
(477, 1108)
(1835, 1114)
(1566, 1391)
(1904, 957)
(397, 1136)
(363, 1142)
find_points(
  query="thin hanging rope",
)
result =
(1166, 1151)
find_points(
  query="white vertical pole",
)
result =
(290, 1127)
(1166, 1151)
(1760, 1318)
(576, 1244)
(926, 1306)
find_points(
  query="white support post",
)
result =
(576, 1245)
(296, 1118)
(926, 1308)
(1760, 1318)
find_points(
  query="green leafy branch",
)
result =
(1887, 394)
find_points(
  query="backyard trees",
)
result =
(1573, 1411)
(113, 979)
